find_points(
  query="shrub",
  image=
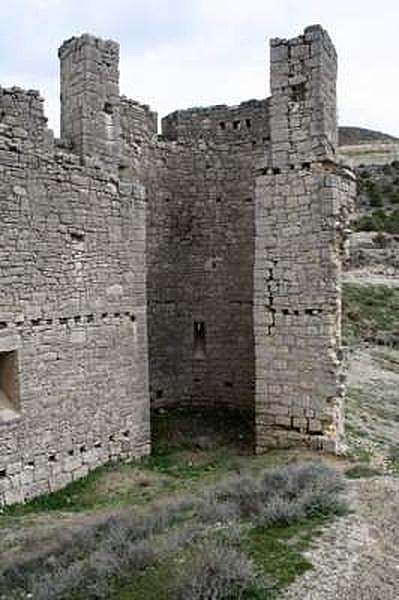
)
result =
(362, 470)
(295, 492)
(379, 221)
(216, 572)
(87, 563)
(90, 558)
(381, 240)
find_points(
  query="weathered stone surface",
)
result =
(224, 234)
(72, 293)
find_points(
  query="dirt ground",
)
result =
(357, 558)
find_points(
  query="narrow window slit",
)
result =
(199, 339)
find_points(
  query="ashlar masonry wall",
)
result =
(246, 234)
(303, 201)
(223, 236)
(201, 234)
(72, 302)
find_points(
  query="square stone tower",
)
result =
(301, 208)
(90, 102)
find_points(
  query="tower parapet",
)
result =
(22, 114)
(303, 114)
(90, 102)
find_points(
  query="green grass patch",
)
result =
(371, 313)
(153, 584)
(187, 466)
(167, 472)
(77, 496)
(379, 220)
(362, 470)
(278, 551)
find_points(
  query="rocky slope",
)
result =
(349, 136)
(375, 240)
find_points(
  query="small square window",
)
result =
(108, 108)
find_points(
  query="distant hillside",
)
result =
(350, 136)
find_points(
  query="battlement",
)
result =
(90, 103)
(138, 121)
(22, 115)
(247, 122)
(303, 109)
(91, 46)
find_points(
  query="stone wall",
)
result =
(90, 102)
(303, 205)
(200, 256)
(249, 121)
(246, 235)
(72, 308)
(300, 221)
(225, 235)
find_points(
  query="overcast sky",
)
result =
(182, 53)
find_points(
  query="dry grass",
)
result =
(372, 418)
(89, 562)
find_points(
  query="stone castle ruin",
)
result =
(198, 268)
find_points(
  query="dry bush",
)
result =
(88, 559)
(295, 492)
(216, 572)
(122, 545)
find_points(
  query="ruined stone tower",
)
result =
(222, 237)
(302, 203)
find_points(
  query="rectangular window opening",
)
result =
(199, 339)
(9, 389)
(298, 92)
